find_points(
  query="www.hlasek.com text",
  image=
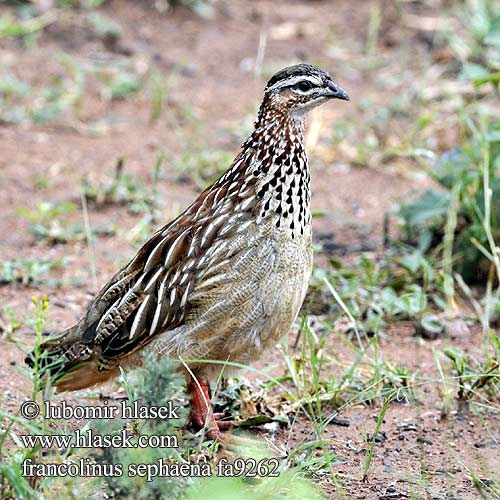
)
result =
(89, 439)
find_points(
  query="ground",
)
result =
(210, 67)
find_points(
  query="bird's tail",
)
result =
(66, 363)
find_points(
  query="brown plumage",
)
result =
(225, 279)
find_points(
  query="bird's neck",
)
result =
(276, 125)
(279, 163)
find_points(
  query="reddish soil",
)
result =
(421, 455)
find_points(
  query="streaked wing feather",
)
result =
(152, 293)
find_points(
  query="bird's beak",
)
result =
(334, 92)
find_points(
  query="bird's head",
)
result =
(300, 88)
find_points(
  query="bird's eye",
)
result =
(304, 86)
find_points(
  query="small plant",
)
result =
(122, 189)
(48, 223)
(202, 8)
(27, 271)
(104, 27)
(474, 376)
(79, 4)
(63, 99)
(120, 84)
(288, 485)
(159, 88)
(155, 384)
(9, 328)
(463, 175)
(12, 482)
(373, 439)
(402, 286)
(476, 43)
(26, 29)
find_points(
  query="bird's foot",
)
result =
(202, 415)
(212, 423)
(223, 425)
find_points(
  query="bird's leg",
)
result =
(201, 409)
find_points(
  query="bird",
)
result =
(222, 282)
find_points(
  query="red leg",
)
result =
(201, 409)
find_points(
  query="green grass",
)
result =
(50, 222)
(12, 482)
(374, 293)
(477, 42)
(28, 271)
(461, 219)
(127, 189)
(63, 100)
(154, 384)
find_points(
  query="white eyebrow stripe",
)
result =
(296, 79)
